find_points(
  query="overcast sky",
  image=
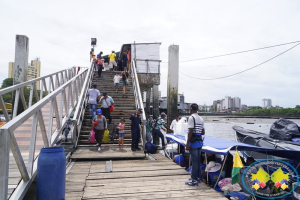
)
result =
(60, 31)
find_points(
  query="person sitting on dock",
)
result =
(213, 172)
(135, 129)
(194, 143)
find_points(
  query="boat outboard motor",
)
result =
(284, 129)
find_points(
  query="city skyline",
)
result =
(33, 71)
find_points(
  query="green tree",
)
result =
(7, 82)
(297, 106)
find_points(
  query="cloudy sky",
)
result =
(60, 32)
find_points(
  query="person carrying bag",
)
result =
(99, 125)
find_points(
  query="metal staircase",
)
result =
(123, 107)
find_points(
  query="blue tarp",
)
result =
(222, 147)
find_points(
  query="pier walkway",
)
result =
(158, 178)
(134, 175)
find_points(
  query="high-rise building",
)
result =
(266, 103)
(227, 102)
(11, 69)
(236, 102)
(222, 104)
(34, 71)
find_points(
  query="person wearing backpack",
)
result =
(99, 125)
(194, 143)
(93, 95)
(99, 66)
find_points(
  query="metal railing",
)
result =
(54, 80)
(81, 106)
(138, 100)
(69, 87)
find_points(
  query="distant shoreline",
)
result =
(227, 115)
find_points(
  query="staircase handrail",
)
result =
(81, 106)
(72, 86)
(138, 100)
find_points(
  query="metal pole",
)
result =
(207, 178)
(221, 170)
(4, 163)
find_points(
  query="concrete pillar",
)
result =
(173, 77)
(148, 96)
(155, 101)
(21, 65)
(21, 59)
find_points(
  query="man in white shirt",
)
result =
(116, 80)
(94, 96)
(194, 143)
(106, 101)
(174, 122)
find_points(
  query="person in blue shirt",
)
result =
(105, 102)
(135, 129)
(194, 143)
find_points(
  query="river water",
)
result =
(221, 127)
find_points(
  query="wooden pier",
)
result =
(133, 179)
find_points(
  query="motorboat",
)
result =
(263, 140)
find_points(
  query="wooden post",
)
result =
(173, 77)
(155, 101)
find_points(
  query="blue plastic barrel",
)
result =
(51, 173)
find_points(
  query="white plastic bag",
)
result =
(181, 128)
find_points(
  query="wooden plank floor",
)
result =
(133, 179)
(107, 152)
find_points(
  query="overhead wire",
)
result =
(206, 79)
(239, 52)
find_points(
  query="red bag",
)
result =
(96, 123)
(111, 108)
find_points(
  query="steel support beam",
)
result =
(4, 162)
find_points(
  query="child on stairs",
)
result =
(121, 128)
